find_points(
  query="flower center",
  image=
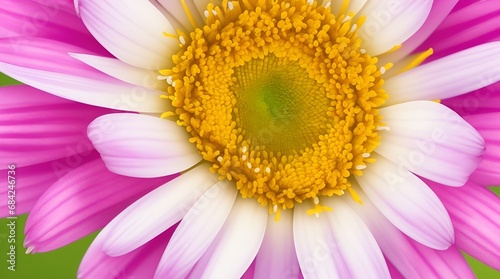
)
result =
(280, 97)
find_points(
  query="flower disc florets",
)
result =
(280, 97)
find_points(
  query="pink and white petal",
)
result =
(390, 23)
(142, 146)
(123, 71)
(36, 127)
(207, 215)
(428, 139)
(32, 181)
(277, 257)
(408, 203)
(164, 206)
(177, 15)
(474, 211)
(458, 73)
(46, 19)
(45, 64)
(357, 245)
(484, 100)
(488, 171)
(81, 202)
(411, 258)
(474, 25)
(240, 238)
(317, 249)
(132, 30)
(395, 274)
(249, 274)
(439, 12)
(140, 263)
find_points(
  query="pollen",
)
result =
(280, 98)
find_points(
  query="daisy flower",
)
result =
(256, 138)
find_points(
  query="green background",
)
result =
(63, 263)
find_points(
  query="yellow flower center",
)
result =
(280, 97)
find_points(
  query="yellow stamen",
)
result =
(188, 13)
(280, 97)
(418, 60)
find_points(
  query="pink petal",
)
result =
(81, 202)
(238, 242)
(132, 30)
(22, 20)
(484, 100)
(139, 145)
(36, 127)
(207, 215)
(488, 125)
(450, 76)
(317, 250)
(408, 203)
(428, 139)
(411, 258)
(164, 207)
(46, 65)
(277, 257)
(32, 181)
(140, 263)
(474, 211)
(471, 26)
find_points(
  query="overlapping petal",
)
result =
(429, 139)
(408, 203)
(239, 238)
(157, 211)
(36, 127)
(142, 146)
(450, 76)
(81, 202)
(136, 24)
(389, 23)
(207, 215)
(409, 257)
(46, 65)
(474, 211)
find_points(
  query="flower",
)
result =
(255, 137)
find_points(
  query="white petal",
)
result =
(408, 203)
(277, 257)
(359, 249)
(141, 145)
(187, 244)
(429, 139)
(453, 75)
(157, 211)
(316, 246)
(237, 243)
(123, 71)
(132, 30)
(390, 23)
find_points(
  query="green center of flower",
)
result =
(280, 98)
(279, 105)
